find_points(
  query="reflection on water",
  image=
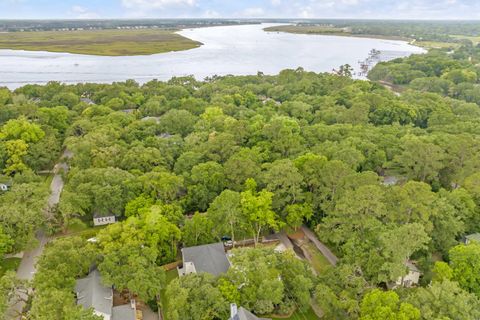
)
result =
(237, 50)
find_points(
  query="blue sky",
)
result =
(367, 9)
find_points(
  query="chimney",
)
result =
(233, 310)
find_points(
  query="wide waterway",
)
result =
(237, 50)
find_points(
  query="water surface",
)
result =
(237, 50)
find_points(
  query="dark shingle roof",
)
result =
(210, 258)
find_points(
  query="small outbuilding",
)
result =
(101, 220)
(209, 258)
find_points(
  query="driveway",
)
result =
(26, 269)
(320, 246)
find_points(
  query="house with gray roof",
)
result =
(209, 258)
(91, 293)
(242, 314)
(474, 237)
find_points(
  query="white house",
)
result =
(411, 279)
(103, 220)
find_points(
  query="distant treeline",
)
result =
(419, 30)
(49, 25)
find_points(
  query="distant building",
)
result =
(156, 119)
(209, 258)
(100, 220)
(242, 314)
(411, 279)
(392, 180)
(474, 237)
(92, 294)
(87, 101)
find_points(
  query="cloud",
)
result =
(255, 12)
(80, 12)
(156, 4)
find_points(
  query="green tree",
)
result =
(465, 263)
(257, 209)
(195, 297)
(445, 300)
(386, 305)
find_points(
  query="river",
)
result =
(237, 50)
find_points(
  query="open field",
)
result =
(436, 45)
(475, 40)
(99, 42)
(328, 31)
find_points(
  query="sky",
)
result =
(358, 9)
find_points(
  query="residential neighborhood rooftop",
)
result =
(92, 294)
(210, 258)
(242, 314)
(474, 237)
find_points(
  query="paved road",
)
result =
(26, 269)
(323, 248)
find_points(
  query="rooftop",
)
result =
(92, 294)
(210, 258)
(474, 237)
(242, 314)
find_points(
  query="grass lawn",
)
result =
(298, 315)
(99, 42)
(436, 45)
(9, 264)
(475, 40)
(319, 262)
(171, 275)
(77, 227)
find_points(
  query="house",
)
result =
(242, 314)
(392, 180)
(411, 279)
(472, 237)
(91, 293)
(209, 258)
(87, 101)
(100, 220)
(156, 119)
